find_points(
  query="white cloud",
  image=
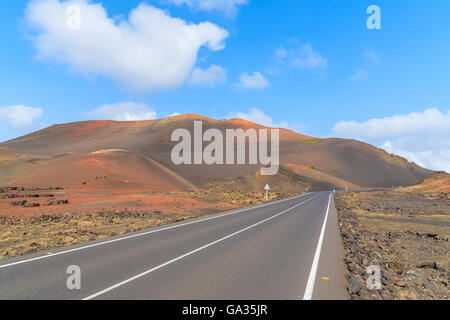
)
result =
(258, 116)
(210, 77)
(371, 57)
(253, 80)
(174, 114)
(423, 137)
(280, 54)
(360, 74)
(227, 6)
(149, 51)
(301, 57)
(430, 121)
(123, 111)
(20, 116)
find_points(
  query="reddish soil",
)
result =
(95, 215)
(84, 200)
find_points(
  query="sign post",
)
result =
(267, 188)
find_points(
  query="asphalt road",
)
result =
(289, 249)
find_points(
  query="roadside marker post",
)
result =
(267, 188)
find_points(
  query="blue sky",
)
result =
(309, 65)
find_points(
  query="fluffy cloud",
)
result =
(258, 116)
(370, 57)
(20, 116)
(423, 137)
(301, 57)
(123, 111)
(360, 74)
(210, 77)
(149, 51)
(253, 80)
(428, 122)
(227, 6)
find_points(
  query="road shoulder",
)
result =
(330, 283)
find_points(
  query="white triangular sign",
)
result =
(267, 187)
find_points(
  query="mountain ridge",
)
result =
(333, 161)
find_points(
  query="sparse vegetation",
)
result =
(164, 143)
(41, 232)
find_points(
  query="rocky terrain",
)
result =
(58, 224)
(404, 234)
(76, 182)
(33, 234)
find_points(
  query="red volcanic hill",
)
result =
(104, 169)
(320, 163)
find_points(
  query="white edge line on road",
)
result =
(49, 255)
(312, 275)
(191, 252)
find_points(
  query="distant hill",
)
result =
(308, 162)
(437, 182)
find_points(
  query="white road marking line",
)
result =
(191, 252)
(312, 275)
(145, 233)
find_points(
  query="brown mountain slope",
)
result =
(104, 169)
(437, 182)
(13, 165)
(338, 161)
(354, 161)
(315, 176)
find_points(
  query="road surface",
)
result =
(289, 249)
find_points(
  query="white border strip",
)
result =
(191, 252)
(312, 275)
(49, 255)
